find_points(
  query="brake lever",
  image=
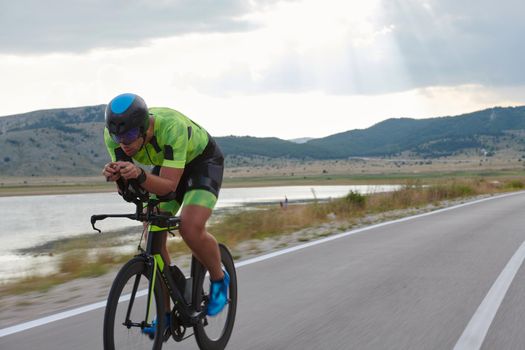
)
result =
(94, 219)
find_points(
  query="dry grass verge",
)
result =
(261, 223)
(72, 265)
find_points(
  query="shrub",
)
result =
(356, 199)
(515, 184)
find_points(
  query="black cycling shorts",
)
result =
(201, 180)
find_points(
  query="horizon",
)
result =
(239, 67)
(287, 139)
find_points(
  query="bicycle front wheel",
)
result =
(125, 315)
(213, 333)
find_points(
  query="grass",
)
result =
(263, 223)
(369, 178)
(76, 261)
(37, 189)
(72, 265)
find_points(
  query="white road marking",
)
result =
(45, 320)
(62, 315)
(476, 331)
(74, 312)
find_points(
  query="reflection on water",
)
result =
(33, 220)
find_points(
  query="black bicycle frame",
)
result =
(155, 263)
(189, 316)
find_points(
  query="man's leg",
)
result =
(202, 244)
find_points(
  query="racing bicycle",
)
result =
(136, 300)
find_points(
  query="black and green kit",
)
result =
(178, 142)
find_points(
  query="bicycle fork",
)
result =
(156, 260)
(128, 322)
(151, 293)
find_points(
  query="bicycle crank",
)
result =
(177, 329)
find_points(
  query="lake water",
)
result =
(28, 221)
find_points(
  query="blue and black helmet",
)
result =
(126, 112)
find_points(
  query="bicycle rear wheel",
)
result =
(213, 333)
(128, 295)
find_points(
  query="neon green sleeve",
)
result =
(176, 147)
(110, 145)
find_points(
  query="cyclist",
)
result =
(187, 166)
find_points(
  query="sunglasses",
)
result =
(128, 137)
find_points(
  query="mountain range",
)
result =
(69, 141)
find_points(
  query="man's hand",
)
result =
(129, 170)
(111, 171)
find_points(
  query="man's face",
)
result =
(132, 148)
(130, 141)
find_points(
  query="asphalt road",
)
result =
(413, 284)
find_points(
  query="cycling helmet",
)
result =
(127, 113)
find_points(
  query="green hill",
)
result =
(268, 147)
(425, 137)
(69, 141)
(53, 142)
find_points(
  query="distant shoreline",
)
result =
(57, 186)
(32, 186)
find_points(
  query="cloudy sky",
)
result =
(289, 69)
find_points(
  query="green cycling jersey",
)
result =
(177, 140)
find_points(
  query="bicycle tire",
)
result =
(203, 335)
(132, 338)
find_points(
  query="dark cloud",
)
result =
(34, 26)
(430, 43)
(451, 42)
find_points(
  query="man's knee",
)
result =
(193, 222)
(192, 229)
